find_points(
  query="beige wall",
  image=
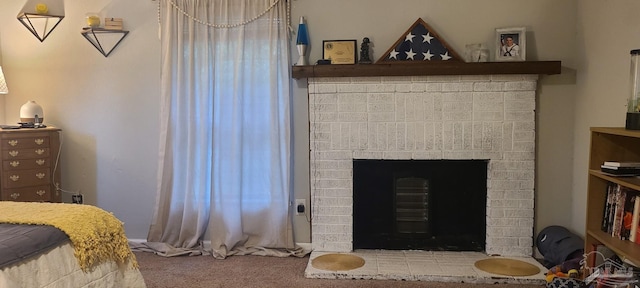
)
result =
(108, 106)
(607, 32)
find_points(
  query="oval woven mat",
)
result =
(506, 266)
(337, 262)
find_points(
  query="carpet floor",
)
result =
(259, 271)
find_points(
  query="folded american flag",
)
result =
(419, 43)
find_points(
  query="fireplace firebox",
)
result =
(419, 204)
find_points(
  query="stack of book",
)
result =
(621, 168)
(621, 217)
(113, 23)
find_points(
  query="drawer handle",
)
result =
(40, 175)
(14, 163)
(39, 141)
(40, 192)
(15, 195)
(13, 142)
(13, 153)
(14, 178)
(40, 162)
(39, 151)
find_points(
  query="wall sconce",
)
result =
(3, 84)
(40, 17)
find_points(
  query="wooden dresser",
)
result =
(29, 171)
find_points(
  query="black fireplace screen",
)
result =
(419, 204)
(411, 205)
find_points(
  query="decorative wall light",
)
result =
(3, 84)
(40, 17)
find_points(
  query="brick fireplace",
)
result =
(483, 117)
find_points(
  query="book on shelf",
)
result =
(621, 213)
(620, 171)
(633, 235)
(621, 164)
(619, 168)
(637, 239)
(616, 228)
(627, 214)
(608, 203)
(612, 209)
(614, 219)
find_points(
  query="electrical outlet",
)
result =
(77, 199)
(301, 206)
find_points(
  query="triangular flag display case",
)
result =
(420, 43)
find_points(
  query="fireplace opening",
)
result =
(419, 204)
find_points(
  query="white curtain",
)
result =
(224, 167)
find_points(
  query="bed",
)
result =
(56, 245)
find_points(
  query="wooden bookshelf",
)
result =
(609, 144)
(427, 68)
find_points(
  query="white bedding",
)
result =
(58, 268)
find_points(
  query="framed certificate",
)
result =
(339, 51)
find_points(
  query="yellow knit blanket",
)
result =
(96, 235)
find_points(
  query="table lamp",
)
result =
(302, 42)
(633, 105)
(3, 84)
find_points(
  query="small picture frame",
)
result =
(339, 51)
(511, 44)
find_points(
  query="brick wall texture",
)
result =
(424, 117)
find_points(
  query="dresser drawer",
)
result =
(29, 161)
(20, 164)
(26, 153)
(24, 178)
(36, 193)
(24, 142)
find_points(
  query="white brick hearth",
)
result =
(427, 118)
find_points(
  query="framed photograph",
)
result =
(339, 51)
(511, 44)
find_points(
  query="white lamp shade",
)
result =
(29, 111)
(3, 84)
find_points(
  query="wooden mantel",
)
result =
(430, 68)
